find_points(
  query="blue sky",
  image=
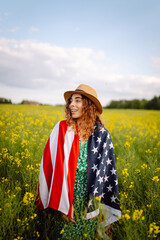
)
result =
(48, 47)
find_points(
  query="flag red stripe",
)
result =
(72, 166)
(47, 164)
(59, 168)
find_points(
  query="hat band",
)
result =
(79, 90)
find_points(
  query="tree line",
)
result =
(154, 103)
(6, 101)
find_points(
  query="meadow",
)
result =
(136, 139)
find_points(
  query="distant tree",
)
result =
(143, 104)
(113, 104)
(5, 101)
(154, 103)
(28, 102)
(136, 104)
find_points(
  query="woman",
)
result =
(78, 174)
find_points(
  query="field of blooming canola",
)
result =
(136, 138)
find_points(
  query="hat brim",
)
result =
(68, 94)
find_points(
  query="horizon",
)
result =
(62, 104)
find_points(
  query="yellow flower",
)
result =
(150, 229)
(127, 144)
(34, 216)
(127, 216)
(144, 166)
(28, 197)
(30, 167)
(149, 205)
(4, 179)
(62, 231)
(148, 151)
(137, 171)
(85, 235)
(156, 179)
(131, 185)
(153, 230)
(18, 188)
(98, 198)
(137, 215)
(125, 172)
(18, 161)
(156, 229)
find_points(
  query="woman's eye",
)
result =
(78, 101)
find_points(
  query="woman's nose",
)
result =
(72, 103)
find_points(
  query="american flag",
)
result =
(58, 170)
(102, 174)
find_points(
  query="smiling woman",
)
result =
(76, 105)
(78, 173)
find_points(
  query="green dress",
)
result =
(81, 229)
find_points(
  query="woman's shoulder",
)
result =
(101, 128)
(63, 122)
(101, 132)
(60, 124)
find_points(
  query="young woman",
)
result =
(78, 173)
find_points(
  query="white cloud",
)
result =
(7, 14)
(33, 29)
(156, 62)
(14, 29)
(42, 72)
(77, 29)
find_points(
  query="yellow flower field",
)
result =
(136, 138)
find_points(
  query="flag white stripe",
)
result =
(110, 214)
(64, 201)
(53, 150)
(43, 188)
(92, 214)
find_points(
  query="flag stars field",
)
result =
(100, 180)
(95, 149)
(113, 171)
(109, 161)
(99, 140)
(109, 188)
(94, 167)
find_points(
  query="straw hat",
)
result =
(88, 92)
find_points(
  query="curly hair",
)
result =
(90, 116)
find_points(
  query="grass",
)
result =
(136, 139)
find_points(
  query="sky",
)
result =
(49, 47)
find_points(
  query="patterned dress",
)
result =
(81, 229)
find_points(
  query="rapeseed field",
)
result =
(136, 139)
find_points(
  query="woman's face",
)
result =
(76, 105)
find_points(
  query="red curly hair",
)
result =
(90, 116)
